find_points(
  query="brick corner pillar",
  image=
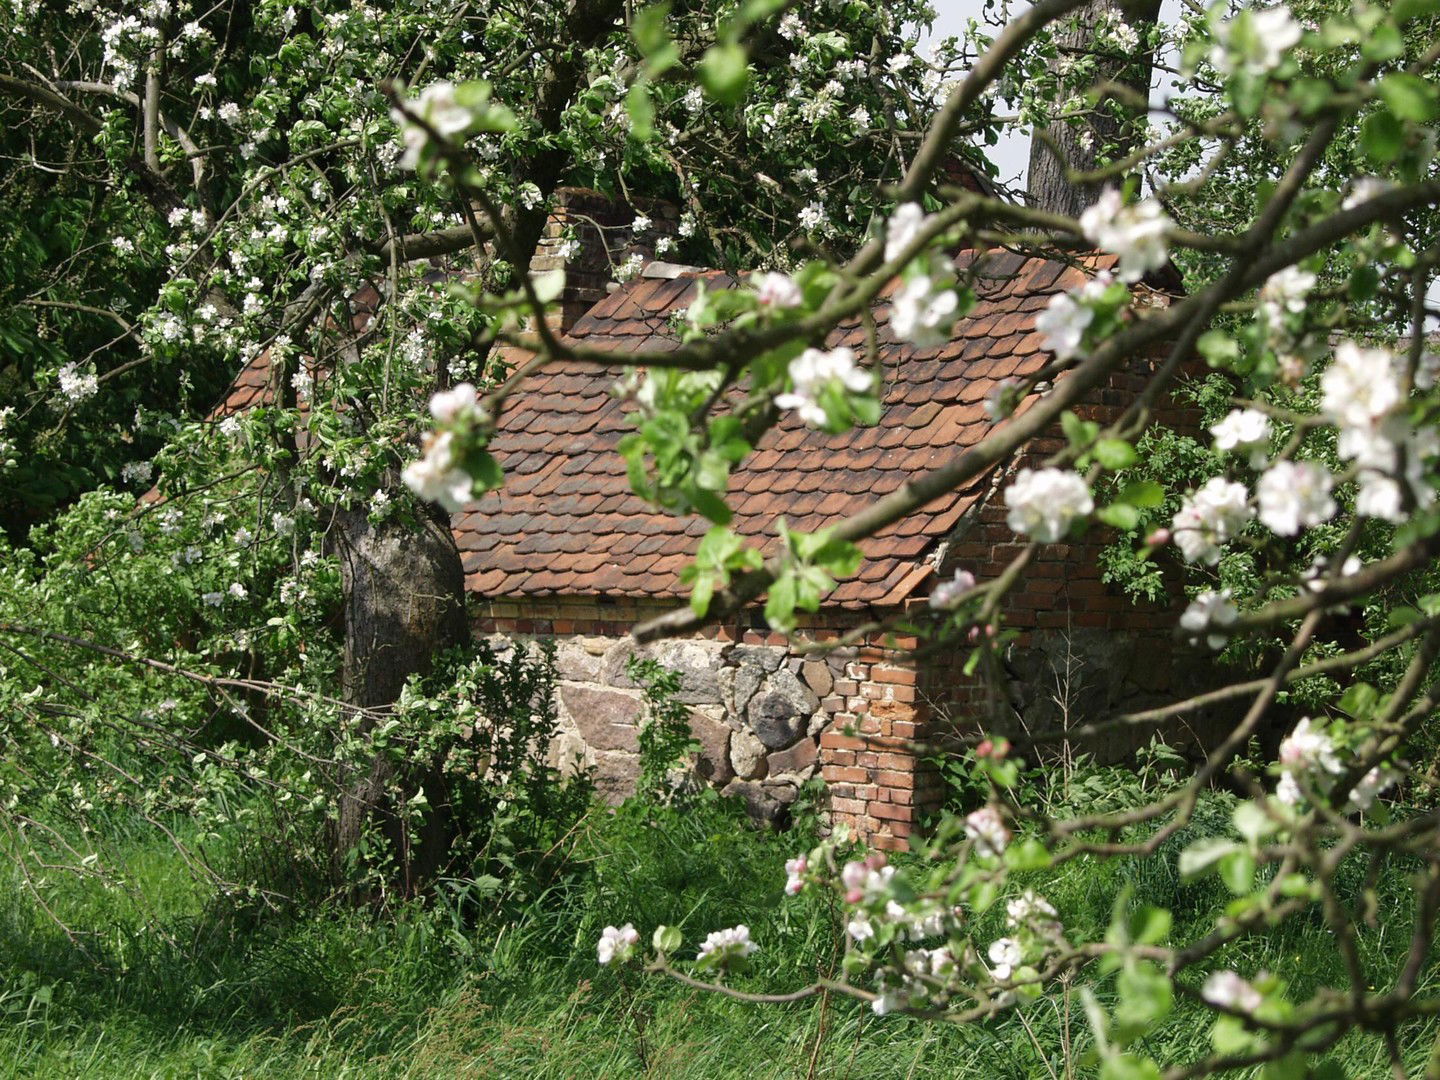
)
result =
(878, 781)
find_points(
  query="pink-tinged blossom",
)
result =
(1134, 233)
(1294, 495)
(1044, 502)
(448, 405)
(1360, 387)
(617, 943)
(1310, 752)
(1373, 784)
(947, 594)
(1229, 991)
(987, 829)
(1243, 431)
(1210, 518)
(727, 945)
(436, 476)
(1211, 613)
(774, 290)
(795, 870)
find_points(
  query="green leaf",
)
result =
(1237, 871)
(1405, 10)
(666, 939)
(648, 28)
(1115, 454)
(1219, 348)
(641, 112)
(1382, 138)
(780, 603)
(1027, 854)
(1382, 43)
(724, 73)
(1251, 822)
(1408, 96)
(1203, 854)
(701, 593)
(1121, 515)
(1145, 494)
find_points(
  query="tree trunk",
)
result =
(1078, 146)
(404, 602)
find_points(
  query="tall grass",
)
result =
(179, 985)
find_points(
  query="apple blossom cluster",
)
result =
(986, 829)
(438, 474)
(1063, 323)
(1293, 495)
(1244, 431)
(946, 596)
(1284, 294)
(1255, 41)
(438, 107)
(1310, 753)
(724, 948)
(617, 944)
(1362, 394)
(776, 291)
(1210, 518)
(926, 305)
(812, 373)
(1044, 503)
(795, 871)
(1135, 233)
(77, 386)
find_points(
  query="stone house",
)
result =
(564, 550)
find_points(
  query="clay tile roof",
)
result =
(557, 443)
(566, 522)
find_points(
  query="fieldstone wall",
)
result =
(756, 711)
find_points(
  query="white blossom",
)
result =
(1062, 325)
(773, 290)
(617, 943)
(1363, 190)
(642, 223)
(1044, 502)
(1005, 956)
(1135, 233)
(1209, 518)
(448, 405)
(76, 385)
(1259, 49)
(437, 477)
(813, 218)
(923, 311)
(1243, 431)
(987, 829)
(902, 229)
(238, 591)
(1210, 613)
(727, 945)
(811, 372)
(1294, 495)
(438, 106)
(1284, 292)
(1228, 990)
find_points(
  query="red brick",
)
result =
(890, 811)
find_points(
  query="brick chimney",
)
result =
(575, 214)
